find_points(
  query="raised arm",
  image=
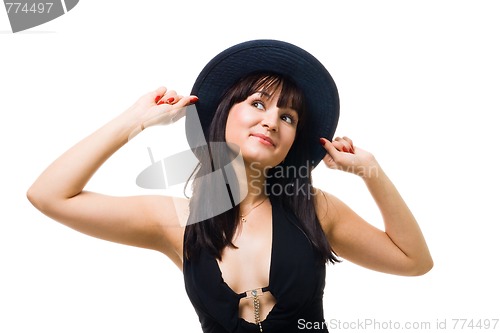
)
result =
(401, 247)
(143, 221)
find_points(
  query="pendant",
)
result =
(256, 308)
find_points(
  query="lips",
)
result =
(264, 138)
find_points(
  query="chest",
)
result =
(247, 265)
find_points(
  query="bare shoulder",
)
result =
(338, 220)
(327, 209)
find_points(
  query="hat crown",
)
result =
(272, 56)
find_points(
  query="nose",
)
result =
(270, 120)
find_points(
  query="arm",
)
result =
(139, 221)
(401, 248)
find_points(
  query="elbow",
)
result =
(33, 197)
(422, 267)
(37, 198)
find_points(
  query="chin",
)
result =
(263, 158)
(259, 163)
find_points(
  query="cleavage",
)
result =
(248, 266)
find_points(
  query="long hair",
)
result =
(293, 176)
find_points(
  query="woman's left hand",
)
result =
(343, 155)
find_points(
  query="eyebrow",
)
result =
(263, 93)
(268, 95)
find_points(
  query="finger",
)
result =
(159, 92)
(180, 102)
(346, 146)
(331, 154)
(348, 140)
(350, 143)
(339, 146)
(186, 100)
(342, 144)
(333, 149)
(169, 97)
(174, 99)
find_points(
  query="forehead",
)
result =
(265, 94)
(288, 94)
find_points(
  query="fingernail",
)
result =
(322, 141)
(157, 98)
(193, 100)
(170, 100)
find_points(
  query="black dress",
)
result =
(296, 280)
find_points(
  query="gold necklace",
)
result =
(242, 216)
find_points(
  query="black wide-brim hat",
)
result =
(269, 56)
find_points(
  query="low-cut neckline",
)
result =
(269, 287)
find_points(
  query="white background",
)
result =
(419, 83)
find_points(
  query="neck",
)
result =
(256, 180)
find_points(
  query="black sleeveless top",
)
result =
(296, 280)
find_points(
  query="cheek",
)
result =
(238, 123)
(233, 125)
(289, 137)
(230, 123)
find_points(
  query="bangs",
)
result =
(290, 95)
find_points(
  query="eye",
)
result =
(290, 119)
(259, 105)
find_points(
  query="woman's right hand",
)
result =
(159, 107)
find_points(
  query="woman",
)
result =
(257, 263)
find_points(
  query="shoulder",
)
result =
(327, 209)
(333, 215)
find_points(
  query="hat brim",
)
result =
(320, 91)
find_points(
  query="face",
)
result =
(263, 131)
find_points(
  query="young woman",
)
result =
(257, 263)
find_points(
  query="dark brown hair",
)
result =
(215, 233)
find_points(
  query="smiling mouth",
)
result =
(264, 139)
